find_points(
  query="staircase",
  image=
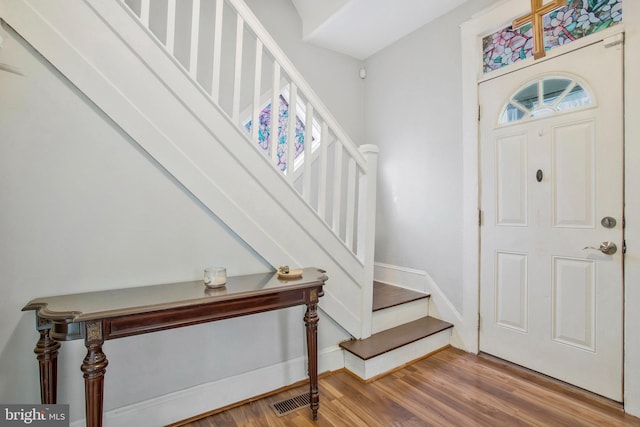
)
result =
(193, 83)
(403, 333)
(204, 90)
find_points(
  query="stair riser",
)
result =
(380, 365)
(399, 315)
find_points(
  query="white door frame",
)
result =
(493, 18)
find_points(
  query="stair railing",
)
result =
(245, 73)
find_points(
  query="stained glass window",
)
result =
(579, 18)
(545, 96)
(264, 132)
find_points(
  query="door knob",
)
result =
(608, 248)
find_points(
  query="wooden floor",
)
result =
(450, 388)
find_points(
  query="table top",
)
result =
(121, 302)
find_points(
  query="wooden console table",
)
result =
(99, 316)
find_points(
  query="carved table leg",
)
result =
(311, 323)
(47, 355)
(93, 368)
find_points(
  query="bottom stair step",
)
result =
(394, 338)
(386, 351)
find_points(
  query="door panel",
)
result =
(511, 178)
(573, 302)
(573, 175)
(511, 291)
(546, 183)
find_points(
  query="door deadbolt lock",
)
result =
(608, 222)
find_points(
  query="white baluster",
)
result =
(351, 202)
(275, 114)
(322, 172)
(144, 12)
(291, 71)
(291, 134)
(171, 26)
(337, 186)
(237, 79)
(257, 106)
(308, 153)
(217, 52)
(195, 30)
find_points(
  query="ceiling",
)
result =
(360, 28)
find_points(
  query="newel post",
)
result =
(367, 232)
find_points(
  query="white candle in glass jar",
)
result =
(215, 276)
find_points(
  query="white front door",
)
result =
(551, 185)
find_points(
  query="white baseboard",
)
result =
(203, 398)
(400, 276)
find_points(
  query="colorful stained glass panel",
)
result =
(264, 133)
(579, 18)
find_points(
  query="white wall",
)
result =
(412, 113)
(83, 208)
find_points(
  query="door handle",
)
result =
(608, 248)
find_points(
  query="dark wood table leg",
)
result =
(93, 368)
(47, 355)
(311, 323)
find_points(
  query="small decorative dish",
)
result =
(289, 274)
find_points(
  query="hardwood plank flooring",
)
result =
(450, 388)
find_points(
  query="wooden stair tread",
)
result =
(385, 296)
(394, 338)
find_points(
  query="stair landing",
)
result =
(386, 296)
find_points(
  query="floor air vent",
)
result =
(287, 406)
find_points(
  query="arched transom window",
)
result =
(547, 95)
